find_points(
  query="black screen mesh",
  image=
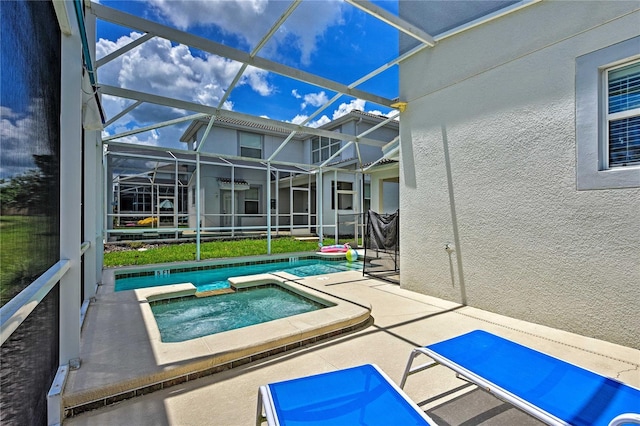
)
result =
(28, 364)
(381, 246)
(29, 200)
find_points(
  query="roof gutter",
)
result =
(77, 4)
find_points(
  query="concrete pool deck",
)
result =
(402, 320)
(123, 354)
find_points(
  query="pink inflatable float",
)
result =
(337, 248)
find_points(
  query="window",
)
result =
(322, 148)
(250, 145)
(251, 201)
(623, 115)
(608, 117)
(345, 199)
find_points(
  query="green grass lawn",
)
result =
(208, 250)
(24, 247)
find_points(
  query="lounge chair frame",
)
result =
(497, 391)
(267, 411)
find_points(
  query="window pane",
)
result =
(251, 152)
(251, 194)
(325, 153)
(624, 142)
(335, 148)
(251, 207)
(624, 88)
(315, 144)
(316, 156)
(250, 140)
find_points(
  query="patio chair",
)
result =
(549, 389)
(362, 395)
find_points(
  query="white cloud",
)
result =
(314, 99)
(301, 118)
(344, 108)
(250, 20)
(295, 94)
(319, 122)
(160, 67)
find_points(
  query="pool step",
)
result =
(215, 292)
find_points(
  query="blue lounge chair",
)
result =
(361, 395)
(549, 389)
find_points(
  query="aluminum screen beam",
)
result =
(123, 113)
(124, 49)
(154, 126)
(293, 6)
(192, 106)
(146, 26)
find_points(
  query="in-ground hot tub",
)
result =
(142, 362)
(190, 317)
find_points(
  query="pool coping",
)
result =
(208, 264)
(180, 362)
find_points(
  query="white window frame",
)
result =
(240, 144)
(592, 171)
(252, 200)
(630, 113)
(333, 146)
(345, 200)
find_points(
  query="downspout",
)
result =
(454, 218)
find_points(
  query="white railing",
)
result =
(18, 309)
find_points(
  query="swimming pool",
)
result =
(189, 318)
(215, 279)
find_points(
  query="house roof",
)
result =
(356, 114)
(235, 123)
(273, 128)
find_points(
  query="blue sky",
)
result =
(324, 37)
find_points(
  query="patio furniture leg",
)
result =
(409, 371)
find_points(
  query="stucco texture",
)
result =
(498, 102)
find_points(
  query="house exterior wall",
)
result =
(220, 140)
(328, 213)
(367, 152)
(225, 141)
(385, 190)
(488, 161)
(211, 204)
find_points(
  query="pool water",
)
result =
(215, 279)
(190, 318)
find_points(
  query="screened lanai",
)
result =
(162, 187)
(156, 193)
(98, 110)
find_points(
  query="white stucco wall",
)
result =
(499, 102)
(384, 189)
